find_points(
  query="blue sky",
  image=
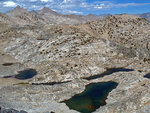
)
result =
(81, 6)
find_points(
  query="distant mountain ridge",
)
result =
(21, 16)
(145, 15)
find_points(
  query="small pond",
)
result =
(108, 72)
(92, 97)
(147, 75)
(25, 74)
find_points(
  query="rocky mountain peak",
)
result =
(45, 10)
(17, 11)
(17, 7)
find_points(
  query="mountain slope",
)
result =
(5, 18)
(126, 31)
(146, 16)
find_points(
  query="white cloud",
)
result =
(33, 0)
(46, 0)
(111, 5)
(35, 7)
(131, 4)
(98, 7)
(9, 4)
(75, 12)
(69, 1)
(101, 6)
(65, 1)
(72, 12)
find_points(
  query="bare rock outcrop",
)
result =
(68, 53)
